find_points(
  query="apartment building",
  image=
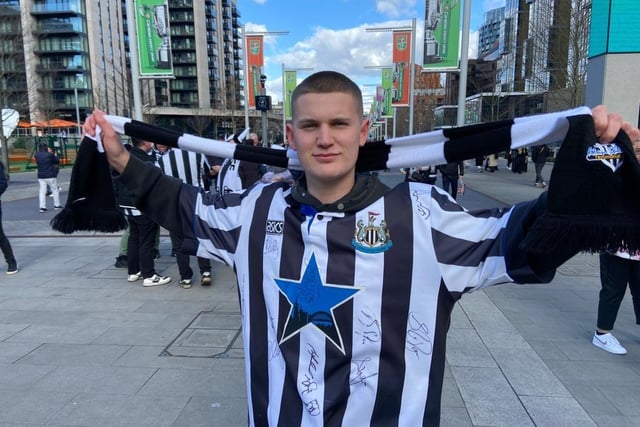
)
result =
(59, 54)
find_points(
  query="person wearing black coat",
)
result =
(48, 165)
(5, 246)
(451, 172)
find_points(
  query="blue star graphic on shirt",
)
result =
(313, 302)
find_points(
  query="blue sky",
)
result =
(330, 34)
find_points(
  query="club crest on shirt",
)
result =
(373, 237)
(609, 154)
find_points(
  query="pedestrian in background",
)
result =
(5, 246)
(451, 172)
(142, 229)
(250, 172)
(48, 165)
(539, 155)
(190, 168)
(617, 269)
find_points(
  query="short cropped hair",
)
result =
(137, 142)
(327, 82)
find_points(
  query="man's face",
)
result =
(327, 132)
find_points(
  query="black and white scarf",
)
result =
(592, 203)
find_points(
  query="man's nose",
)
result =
(324, 135)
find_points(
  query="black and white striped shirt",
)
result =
(228, 180)
(345, 314)
(185, 165)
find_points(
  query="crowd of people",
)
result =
(312, 257)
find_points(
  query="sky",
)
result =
(331, 35)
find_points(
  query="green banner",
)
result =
(154, 41)
(442, 34)
(290, 83)
(387, 86)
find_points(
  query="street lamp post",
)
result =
(264, 108)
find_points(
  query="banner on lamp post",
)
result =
(255, 62)
(401, 63)
(290, 83)
(154, 38)
(442, 34)
(387, 86)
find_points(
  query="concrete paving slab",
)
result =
(21, 377)
(186, 383)
(556, 411)
(527, 373)
(34, 408)
(207, 412)
(94, 379)
(109, 410)
(74, 355)
(616, 421)
(492, 412)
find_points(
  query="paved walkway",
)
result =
(80, 346)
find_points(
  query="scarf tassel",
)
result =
(593, 234)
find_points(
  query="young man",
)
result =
(189, 167)
(5, 246)
(250, 172)
(346, 286)
(142, 228)
(47, 163)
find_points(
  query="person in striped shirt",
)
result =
(346, 286)
(190, 168)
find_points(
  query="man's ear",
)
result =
(364, 131)
(290, 138)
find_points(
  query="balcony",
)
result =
(58, 8)
(180, 4)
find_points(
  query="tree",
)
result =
(13, 88)
(198, 123)
(556, 51)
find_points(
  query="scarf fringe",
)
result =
(591, 234)
(70, 220)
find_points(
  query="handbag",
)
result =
(460, 187)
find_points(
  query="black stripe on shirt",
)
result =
(340, 270)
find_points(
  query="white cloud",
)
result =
(395, 8)
(347, 51)
(473, 44)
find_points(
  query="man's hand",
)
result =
(607, 125)
(117, 155)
